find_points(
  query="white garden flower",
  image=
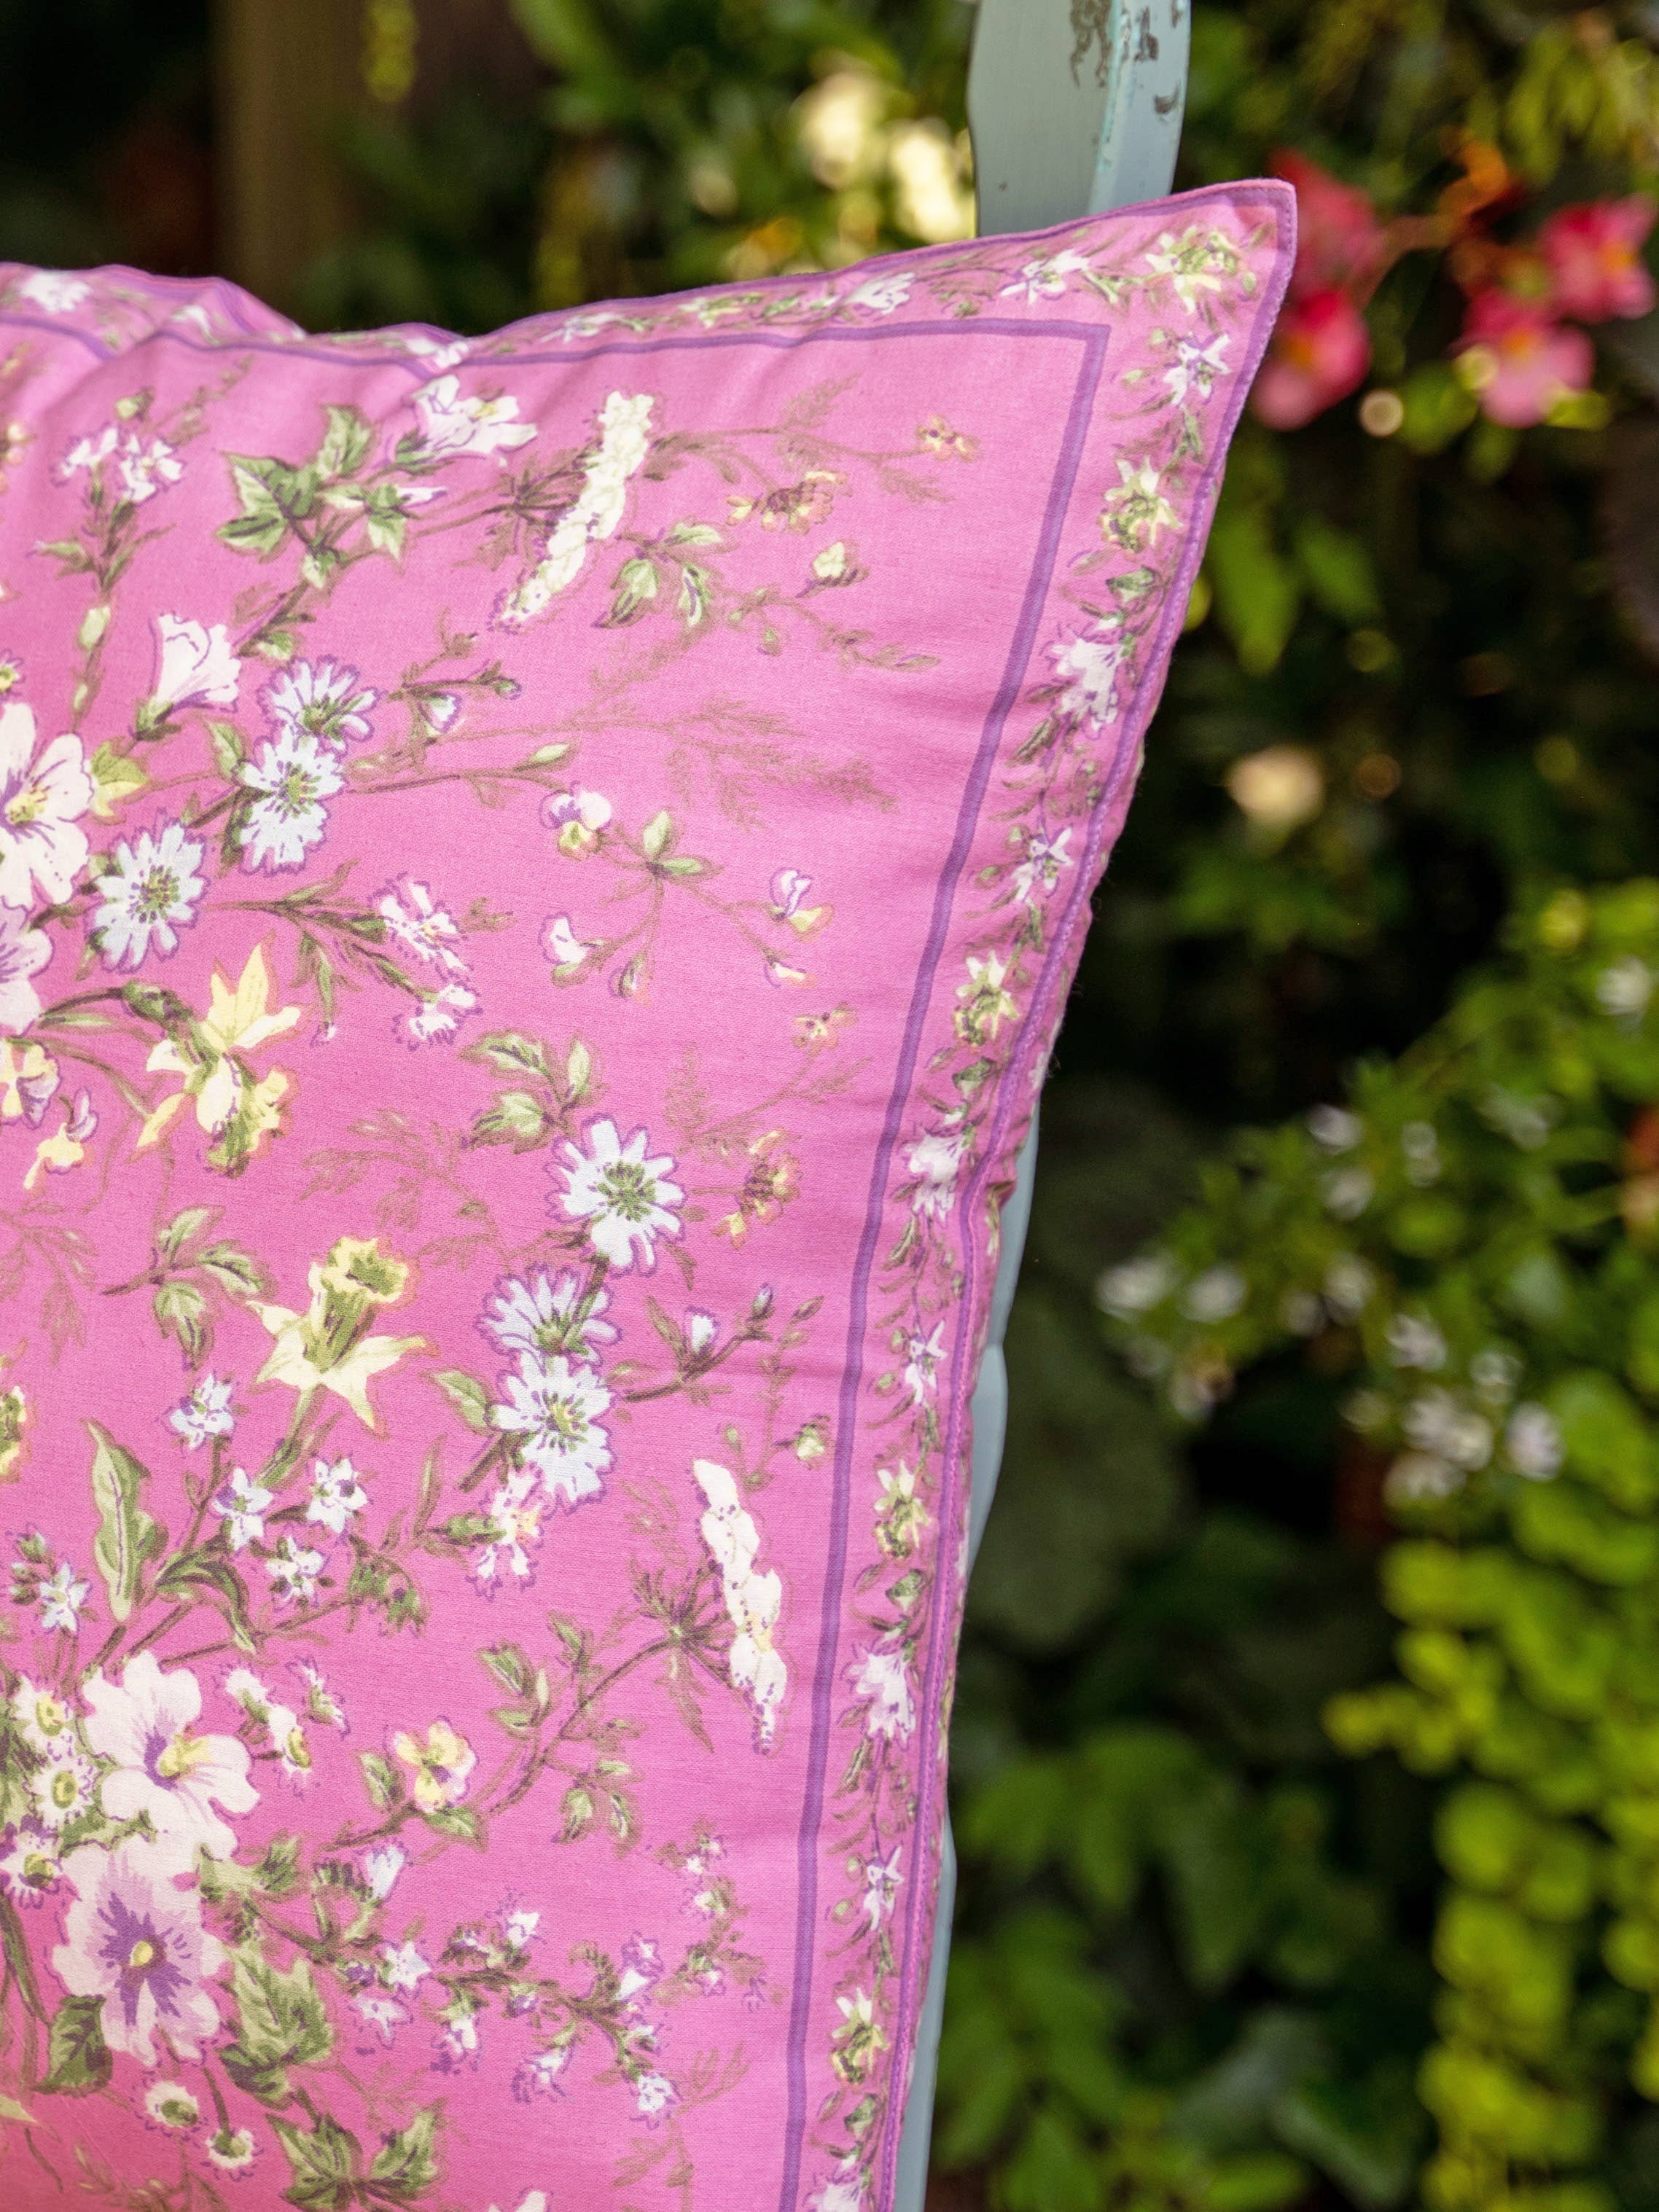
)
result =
(1136, 1286)
(44, 791)
(293, 775)
(1440, 1424)
(1533, 1444)
(204, 1413)
(1335, 1129)
(337, 1495)
(1623, 989)
(196, 666)
(882, 1680)
(164, 1770)
(545, 1315)
(552, 1410)
(242, 1506)
(624, 1197)
(482, 424)
(148, 890)
(320, 700)
(1215, 1296)
(1414, 1342)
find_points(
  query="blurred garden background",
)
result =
(1307, 1743)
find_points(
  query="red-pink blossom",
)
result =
(1320, 351)
(1340, 238)
(1519, 361)
(1594, 255)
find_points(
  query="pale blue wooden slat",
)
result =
(1076, 108)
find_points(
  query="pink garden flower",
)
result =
(1339, 237)
(1320, 352)
(1519, 361)
(1593, 252)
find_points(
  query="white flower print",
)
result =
(63, 1787)
(515, 1529)
(233, 2150)
(196, 666)
(23, 953)
(1046, 276)
(88, 454)
(625, 1198)
(61, 1597)
(1195, 367)
(163, 1769)
(319, 700)
(30, 1870)
(402, 1967)
(882, 1678)
(593, 515)
(44, 791)
(54, 290)
(242, 1506)
(414, 921)
(880, 295)
(452, 426)
(883, 1879)
(381, 1868)
(923, 1357)
(545, 1315)
(1086, 663)
(790, 888)
(753, 1601)
(294, 1570)
(204, 1413)
(145, 470)
(577, 816)
(337, 1495)
(566, 951)
(1045, 859)
(552, 1409)
(148, 890)
(134, 1940)
(44, 1720)
(438, 1016)
(935, 1161)
(295, 776)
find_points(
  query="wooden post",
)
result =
(286, 71)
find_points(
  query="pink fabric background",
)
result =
(1001, 459)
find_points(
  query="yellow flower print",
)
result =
(28, 1078)
(987, 1002)
(328, 1347)
(211, 1056)
(14, 1416)
(439, 1765)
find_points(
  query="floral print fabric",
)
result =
(538, 877)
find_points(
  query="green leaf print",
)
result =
(404, 2167)
(78, 2060)
(324, 2164)
(127, 1536)
(280, 2024)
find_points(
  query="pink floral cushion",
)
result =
(537, 878)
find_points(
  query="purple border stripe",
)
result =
(1095, 339)
(1041, 1016)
